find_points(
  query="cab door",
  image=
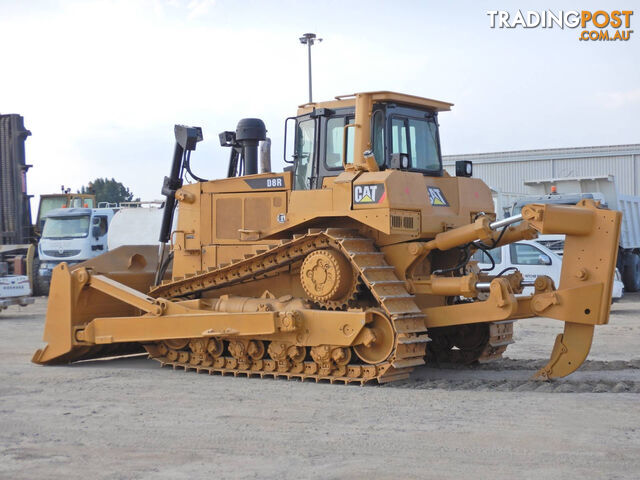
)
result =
(332, 145)
(305, 173)
(98, 233)
(319, 146)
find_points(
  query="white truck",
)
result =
(73, 235)
(603, 188)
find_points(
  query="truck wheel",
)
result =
(40, 283)
(631, 275)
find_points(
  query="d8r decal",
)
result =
(264, 183)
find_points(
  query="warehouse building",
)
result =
(508, 171)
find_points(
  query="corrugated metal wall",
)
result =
(507, 171)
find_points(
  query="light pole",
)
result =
(309, 39)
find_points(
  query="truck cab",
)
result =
(55, 201)
(73, 235)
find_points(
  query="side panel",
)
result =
(186, 239)
(246, 217)
(443, 202)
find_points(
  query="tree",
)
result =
(110, 191)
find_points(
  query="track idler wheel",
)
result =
(378, 344)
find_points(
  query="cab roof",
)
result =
(342, 101)
(74, 212)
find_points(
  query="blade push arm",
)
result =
(583, 297)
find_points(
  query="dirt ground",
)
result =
(131, 419)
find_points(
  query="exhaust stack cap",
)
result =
(251, 129)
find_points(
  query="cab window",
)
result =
(523, 254)
(424, 144)
(378, 137)
(305, 136)
(416, 137)
(100, 221)
(399, 135)
(335, 138)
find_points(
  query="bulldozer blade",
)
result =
(72, 304)
(569, 351)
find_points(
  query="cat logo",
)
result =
(368, 193)
(436, 197)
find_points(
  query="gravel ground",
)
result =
(131, 419)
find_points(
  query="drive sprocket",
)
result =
(328, 279)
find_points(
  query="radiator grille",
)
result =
(405, 221)
(61, 254)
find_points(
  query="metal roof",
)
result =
(546, 154)
(72, 212)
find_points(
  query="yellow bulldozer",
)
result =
(353, 265)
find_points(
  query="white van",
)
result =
(532, 259)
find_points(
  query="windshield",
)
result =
(418, 138)
(66, 227)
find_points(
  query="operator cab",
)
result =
(403, 136)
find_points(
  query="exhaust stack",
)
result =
(244, 146)
(249, 132)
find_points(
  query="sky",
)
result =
(101, 83)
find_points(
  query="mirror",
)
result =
(288, 144)
(95, 231)
(544, 259)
